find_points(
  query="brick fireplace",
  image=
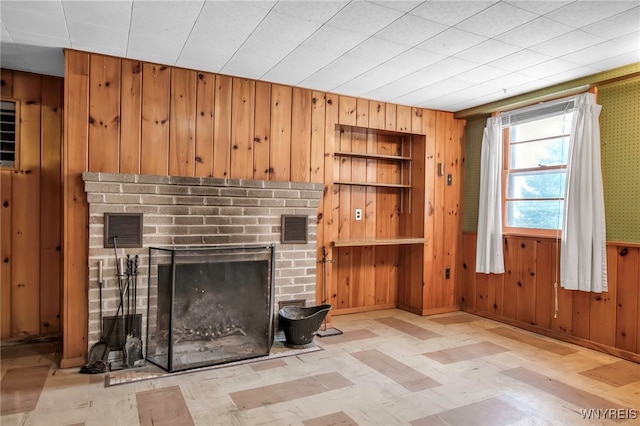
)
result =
(183, 212)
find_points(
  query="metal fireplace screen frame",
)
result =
(209, 305)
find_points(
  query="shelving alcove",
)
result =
(378, 257)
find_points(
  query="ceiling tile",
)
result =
(617, 25)
(153, 57)
(51, 8)
(551, 67)
(482, 74)
(155, 46)
(274, 38)
(572, 74)
(615, 62)
(497, 19)
(631, 40)
(30, 39)
(534, 32)
(511, 80)
(87, 34)
(319, 50)
(5, 36)
(33, 22)
(339, 72)
(410, 30)
(567, 43)
(317, 11)
(113, 14)
(487, 51)
(596, 53)
(167, 19)
(520, 60)
(537, 6)
(581, 13)
(37, 59)
(450, 12)
(364, 17)
(403, 6)
(451, 41)
(102, 49)
(204, 57)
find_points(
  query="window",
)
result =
(536, 144)
(8, 134)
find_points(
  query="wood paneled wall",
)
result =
(30, 214)
(524, 295)
(133, 117)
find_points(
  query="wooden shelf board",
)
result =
(372, 156)
(387, 185)
(380, 242)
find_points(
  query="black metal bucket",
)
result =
(301, 323)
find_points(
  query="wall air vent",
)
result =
(294, 229)
(126, 227)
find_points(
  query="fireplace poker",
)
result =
(325, 332)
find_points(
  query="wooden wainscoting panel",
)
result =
(280, 133)
(511, 276)
(104, 113)
(242, 125)
(602, 315)
(156, 92)
(627, 298)
(6, 283)
(316, 160)
(526, 286)
(262, 131)
(222, 127)
(130, 116)
(205, 105)
(182, 130)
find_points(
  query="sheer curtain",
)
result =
(489, 258)
(583, 259)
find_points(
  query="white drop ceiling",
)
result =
(446, 55)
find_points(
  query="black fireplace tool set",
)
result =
(131, 343)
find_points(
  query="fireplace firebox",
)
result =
(209, 305)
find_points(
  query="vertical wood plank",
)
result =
(205, 103)
(437, 288)
(358, 193)
(469, 271)
(156, 89)
(495, 293)
(317, 137)
(482, 292)
(329, 218)
(222, 128)
(182, 128)
(6, 83)
(390, 116)
(563, 321)
(403, 115)
(130, 116)
(262, 132)
(50, 204)
(280, 154)
(300, 135)
(546, 263)
(242, 128)
(357, 289)
(348, 111)
(75, 210)
(104, 113)
(429, 129)
(452, 195)
(377, 116)
(511, 277)
(362, 112)
(526, 289)
(627, 298)
(580, 321)
(344, 277)
(602, 317)
(25, 222)
(5, 253)
(416, 120)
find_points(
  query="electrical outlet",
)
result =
(358, 214)
(447, 273)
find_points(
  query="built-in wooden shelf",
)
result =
(372, 156)
(379, 242)
(387, 185)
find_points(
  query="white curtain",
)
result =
(489, 258)
(583, 259)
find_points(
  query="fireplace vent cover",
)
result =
(294, 229)
(126, 227)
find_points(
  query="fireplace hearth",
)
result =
(187, 212)
(209, 305)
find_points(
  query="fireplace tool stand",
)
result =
(324, 331)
